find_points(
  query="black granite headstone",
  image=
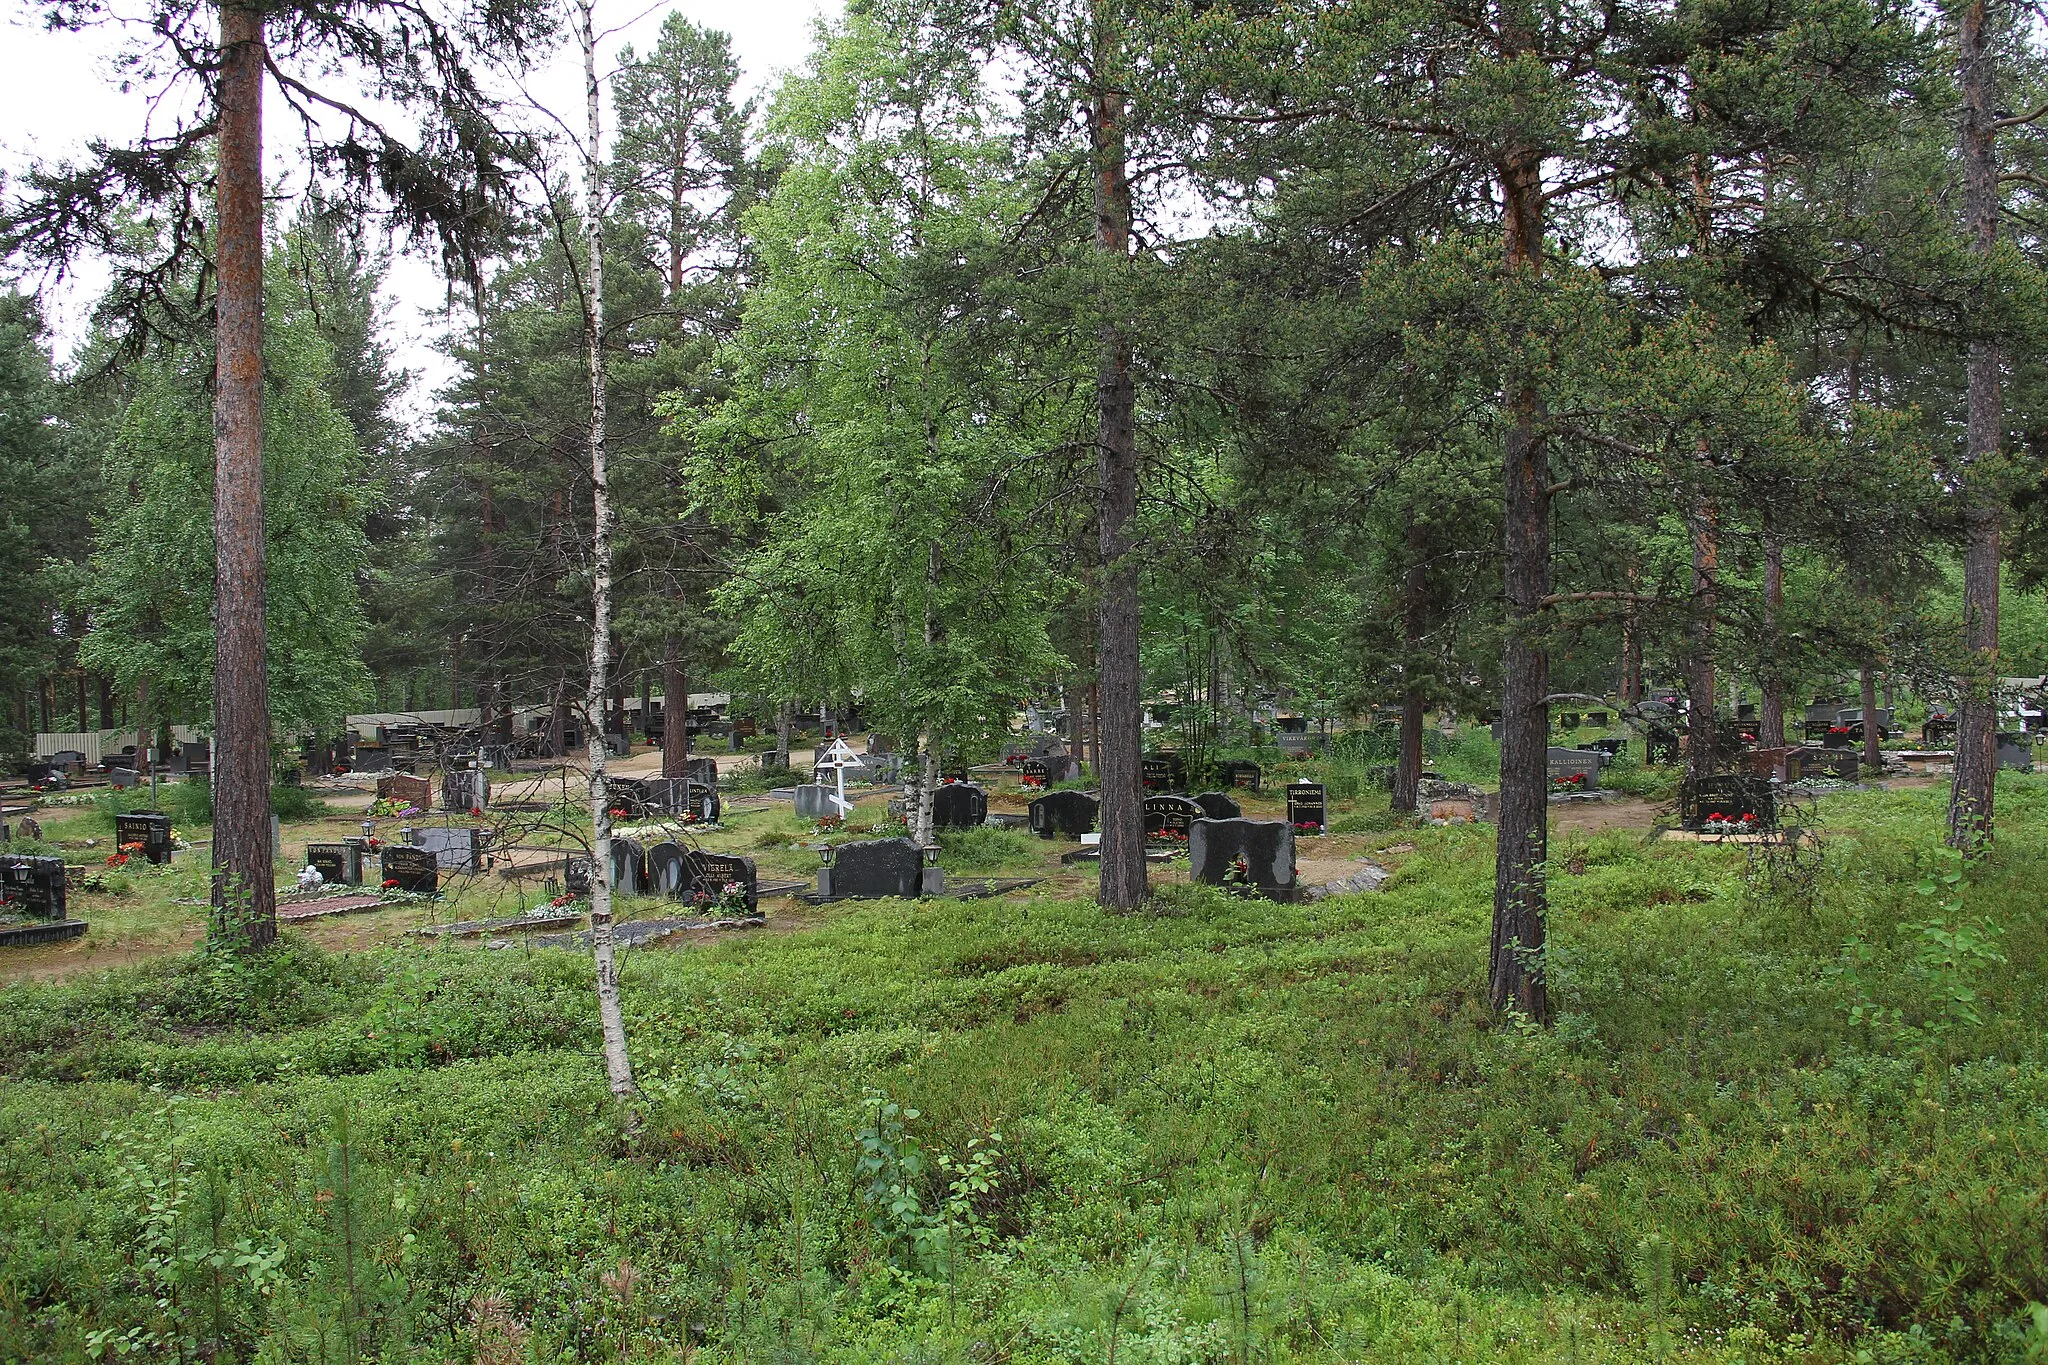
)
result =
(1240, 773)
(667, 872)
(1308, 804)
(629, 867)
(576, 876)
(1034, 771)
(704, 770)
(1063, 815)
(337, 864)
(1728, 801)
(147, 828)
(1219, 806)
(1836, 763)
(1168, 818)
(874, 867)
(1266, 847)
(34, 885)
(959, 805)
(2014, 751)
(412, 868)
(710, 873)
(1163, 773)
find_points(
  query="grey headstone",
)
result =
(455, 848)
(1267, 847)
(814, 801)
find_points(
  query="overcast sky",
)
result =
(56, 91)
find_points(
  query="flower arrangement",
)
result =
(1570, 782)
(1307, 827)
(730, 900)
(1728, 824)
(476, 812)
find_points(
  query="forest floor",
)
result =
(1790, 1109)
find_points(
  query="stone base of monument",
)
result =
(47, 931)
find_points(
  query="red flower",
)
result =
(117, 860)
(390, 882)
(476, 812)
(616, 811)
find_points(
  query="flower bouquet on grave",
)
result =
(1237, 878)
(1717, 823)
(1307, 827)
(1570, 782)
(732, 899)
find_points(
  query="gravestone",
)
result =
(873, 868)
(629, 867)
(1569, 720)
(668, 874)
(147, 828)
(1660, 746)
(120, 779)
(618, 745)
(372, 758)
(1164, 773)
(1239, 772)
(745, 728)
(1573, 769)
(1612, 748)
(496, 757)
(410, 791)
(1308, 803)
(633, 795)
(337, 864)
(414, 869)
(704, 770)
(465, 789)
(1063, 815)
(34, 885)
(576, 876)
(1801, 764)
(1034, 771)
(1170, 818)
(814, 802)
(709, 874)
(456, 848)
(1597, 719)
(2015, 751)
(702, 801)
(1742, 800)
(1938, 728)
(1219, 806)
(1265, 846)
(959, 805)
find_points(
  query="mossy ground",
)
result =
(1224, 1131)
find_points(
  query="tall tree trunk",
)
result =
(783, 721)
(143, 762)
(1119, 740)
(927, 791)
(1520, 900)
(84, 719)
(244, 909)
(675, 710)
(1631, 639)
(1770, 732)
(455, 683)
(1873, 757)
(610, 1011)
(106, 691)
(1969, 806)
(1703, 755)
(1414, 618)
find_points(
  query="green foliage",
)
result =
(150, 595)
(1231, 1129)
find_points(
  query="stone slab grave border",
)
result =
(49, 931)
(292, 910)
(631, 933)
(477, 928)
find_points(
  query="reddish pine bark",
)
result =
(244, 913)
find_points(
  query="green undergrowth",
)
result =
(1791, 1109)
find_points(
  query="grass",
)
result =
(1229, 1131)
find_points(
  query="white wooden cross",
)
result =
(839, 758)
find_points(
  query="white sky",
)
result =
(57, 91)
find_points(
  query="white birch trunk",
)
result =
(611, 1015)
(929, 765)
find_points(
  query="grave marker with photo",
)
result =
(338, 864)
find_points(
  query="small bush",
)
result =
(985, 847)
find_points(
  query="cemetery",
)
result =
(1023, 685)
